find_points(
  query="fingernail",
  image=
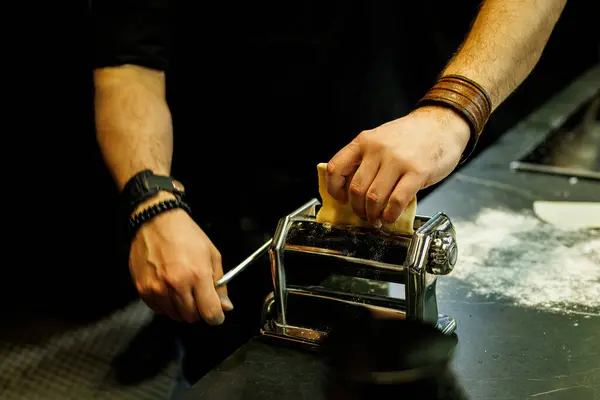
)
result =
(377, 224)
(226, 302)
(217, 319)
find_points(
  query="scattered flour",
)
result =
(517, 257)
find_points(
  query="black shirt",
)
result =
(135, 32)
(269, 89)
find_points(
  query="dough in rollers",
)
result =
(335, 213)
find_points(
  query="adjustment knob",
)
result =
(442, 254)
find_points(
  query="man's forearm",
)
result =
(133, 121)
(505, 43)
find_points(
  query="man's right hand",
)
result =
(174, 266)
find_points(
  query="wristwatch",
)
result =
(144, 185)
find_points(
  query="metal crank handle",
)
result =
(242, 266)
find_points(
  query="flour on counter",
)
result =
(517, 257)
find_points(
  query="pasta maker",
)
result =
(321, 271)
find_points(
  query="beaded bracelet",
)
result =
(136, 221)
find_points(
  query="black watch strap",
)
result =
(145, 185)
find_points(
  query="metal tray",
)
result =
(572, 150)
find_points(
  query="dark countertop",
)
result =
(505, 351)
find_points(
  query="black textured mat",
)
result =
(74, 363)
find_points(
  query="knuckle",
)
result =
(356, 189)
(174, 280)
(401, 155)
(144, 290)
(217, 256)
(159, 290)
(368, 138)
(415, 168)
(373, 196)
(363, 136)
(153, 289)
(390, 216)
(331, 167)
(205, 273)
(397, 202)
(377, 146)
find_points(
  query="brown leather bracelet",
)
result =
(465, 97)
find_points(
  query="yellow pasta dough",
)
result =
(336, 213)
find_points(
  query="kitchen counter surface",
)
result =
(513, 343)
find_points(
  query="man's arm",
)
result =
(392, 162)
(505, 43)
(172, 262)
(133, 121)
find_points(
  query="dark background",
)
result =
(62, 242)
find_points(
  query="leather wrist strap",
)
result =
(465, 97)
(136, 221)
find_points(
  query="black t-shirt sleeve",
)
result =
(135, 32)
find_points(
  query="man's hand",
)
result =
(389, 164)
(174, 266)
(395, 160)
(173, 263)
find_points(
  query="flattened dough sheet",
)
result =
(569, 214)
(335, 213)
